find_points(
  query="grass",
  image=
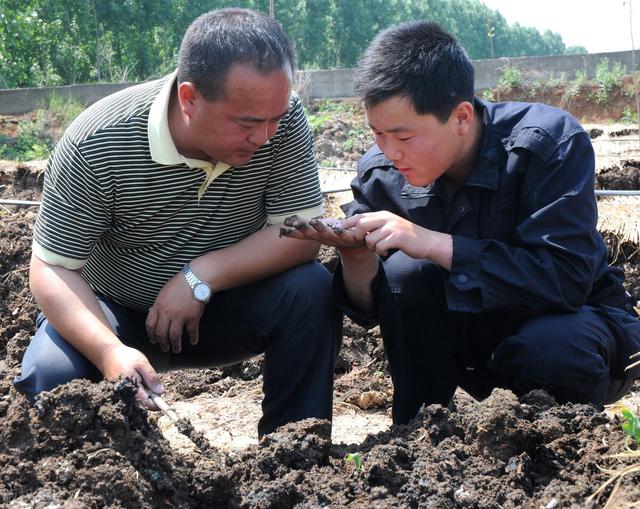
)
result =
(35, 133)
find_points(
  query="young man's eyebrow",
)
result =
(396, 129)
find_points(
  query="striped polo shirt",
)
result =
(121, 204)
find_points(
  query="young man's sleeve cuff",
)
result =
(463, 288)
(342, 301)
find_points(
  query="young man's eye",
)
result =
(404, 138)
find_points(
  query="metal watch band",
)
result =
(194, 281)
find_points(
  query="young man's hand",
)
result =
(174, 311)
(378, 232)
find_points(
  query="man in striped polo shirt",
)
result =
(157, 247)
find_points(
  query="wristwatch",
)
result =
(202, 290)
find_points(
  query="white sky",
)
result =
(598, 25)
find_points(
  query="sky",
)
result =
(598, 25)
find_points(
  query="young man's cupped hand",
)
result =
(378, 232)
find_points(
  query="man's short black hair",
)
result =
(420, 61)
(218, 39)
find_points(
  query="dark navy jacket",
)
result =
(524, 224)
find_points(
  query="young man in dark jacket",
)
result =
(472, 237)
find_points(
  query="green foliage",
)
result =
(629, 116)
(31, 142)
(59, 42)
(631, 425)
(510, 78)
(317, 122)
(64, 109)
(607, 78)
(356, 459)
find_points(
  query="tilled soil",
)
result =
(92, 445)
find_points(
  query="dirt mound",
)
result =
(92, 445)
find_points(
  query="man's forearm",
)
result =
(256, 257)
(359, 267)
(71, 307)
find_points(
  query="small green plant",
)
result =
(349, 144)
(31, 141)
(574, 86)
(631, 425)
(607, 79)
(510, 78)
(356, 459)
(628, 116)
(64, 109)
(317, 122)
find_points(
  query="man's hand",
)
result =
(173, 311)
(378, 232)
(326, 231)
(129, 362)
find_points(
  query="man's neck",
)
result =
(457, 175)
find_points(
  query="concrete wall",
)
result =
(337, 82)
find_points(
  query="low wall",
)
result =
(336, 82)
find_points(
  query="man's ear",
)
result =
(462, 117)
(187, 96)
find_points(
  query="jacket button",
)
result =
(463, 278)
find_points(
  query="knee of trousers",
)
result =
(49, 362)
(560, 354)
(304, 296)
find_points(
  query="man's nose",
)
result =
(263, 132)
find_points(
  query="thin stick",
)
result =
(162, 405)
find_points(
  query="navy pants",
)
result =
(578, 357)
(289, 317)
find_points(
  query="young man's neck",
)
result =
(457, 175)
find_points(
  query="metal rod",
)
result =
(599, 192)
(613, 192)
(20, 203)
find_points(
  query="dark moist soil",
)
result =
(92, 445)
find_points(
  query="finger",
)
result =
(175, 336)
(150, 324)
(350, 222)
(286, 231)
(291, 220)
(318, 225)
(150, 378)
(162, 334)
(193, 331)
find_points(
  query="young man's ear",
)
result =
(187, 96)
(462, 117)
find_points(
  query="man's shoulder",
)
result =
(539, 128)
(510, 117)
(127, 108)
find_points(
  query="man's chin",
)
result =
(240, 159)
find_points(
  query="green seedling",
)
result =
(356, 459)
(631, 426)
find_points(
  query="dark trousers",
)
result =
(290, 317)
(578, 357)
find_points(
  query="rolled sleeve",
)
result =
(294, 185)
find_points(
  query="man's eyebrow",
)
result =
(249, 118)
(397, 129)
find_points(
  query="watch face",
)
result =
(202, 292)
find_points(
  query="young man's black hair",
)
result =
(418, 60)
